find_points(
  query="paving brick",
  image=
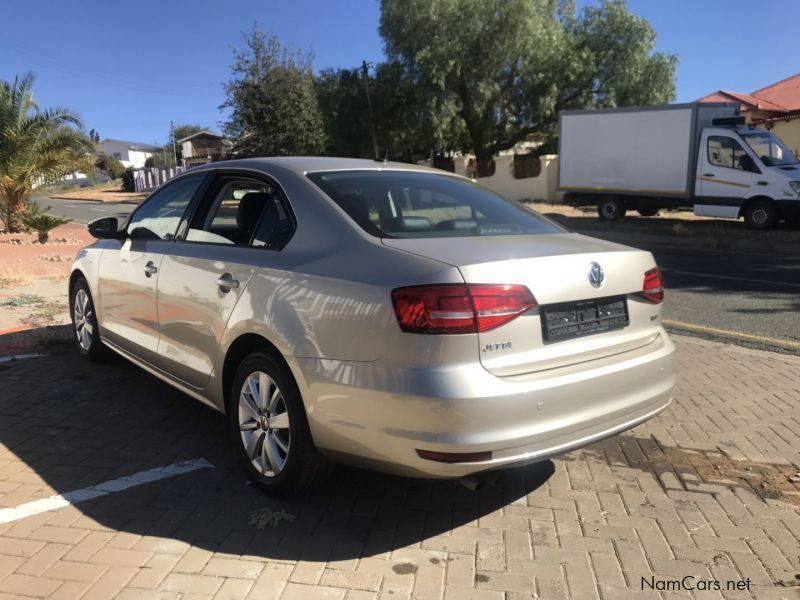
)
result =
(191, 584)
(225, 567)
(74, 571)
(25, 585)
(121, 557)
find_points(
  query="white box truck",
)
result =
(700, 156)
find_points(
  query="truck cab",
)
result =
(746, 172)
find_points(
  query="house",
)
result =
(203, 147)
(775, 107)
(130, 154)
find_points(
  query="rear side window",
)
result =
(408, 204)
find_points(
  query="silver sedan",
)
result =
(385, 315)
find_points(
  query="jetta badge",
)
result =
(596, 275)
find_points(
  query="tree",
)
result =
(507, 67)
(274, 109)
(36, 146)
(403, 124)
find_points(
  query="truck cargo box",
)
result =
(644, 151)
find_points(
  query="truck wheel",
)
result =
(761, 214)
(611, 209)
(647, 212)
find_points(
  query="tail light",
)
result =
(459, 308)
(653, 288)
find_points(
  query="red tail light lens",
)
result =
(459, 308)
(653, 288)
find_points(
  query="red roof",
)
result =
(778, 98)
(785, 93)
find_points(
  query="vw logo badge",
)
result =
(596, 275)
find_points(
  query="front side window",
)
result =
(770, 149)
(159, 217)
(409, 204)
(727, 152)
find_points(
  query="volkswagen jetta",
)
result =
(385, 315)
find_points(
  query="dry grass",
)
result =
(14, 273)
(106, 192)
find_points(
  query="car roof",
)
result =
(311, 164)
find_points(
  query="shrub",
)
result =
(111, 166)
(40, 222)
(127, 180)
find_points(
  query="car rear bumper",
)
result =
(372, 415)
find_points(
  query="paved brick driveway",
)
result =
(706, 490)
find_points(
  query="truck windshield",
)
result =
(771, 151)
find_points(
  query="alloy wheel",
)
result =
(84, 320)
(264, 424)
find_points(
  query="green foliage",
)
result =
(271, 96)
(36, 146)
(111, 166)
(39, 221)
(127, 180)
(404, 127)
(505, 69)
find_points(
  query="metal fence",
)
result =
(148, 179)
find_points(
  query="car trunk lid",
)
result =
(555, 268)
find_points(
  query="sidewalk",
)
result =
(707, 491)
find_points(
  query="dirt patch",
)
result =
(102, 193)
(682, 227)
(700, 471)
(23, 259)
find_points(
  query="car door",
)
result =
(725, 170)
(202, 279)
(128, 275)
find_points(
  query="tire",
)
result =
(272, 434)
(647, 212)
(761, 215)
(611, 209)
(84, 323)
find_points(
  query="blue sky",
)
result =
(130, 71)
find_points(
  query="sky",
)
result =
(129, 69)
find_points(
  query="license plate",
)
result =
(586, 317)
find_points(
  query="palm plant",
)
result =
(40, 222)
(37, 146)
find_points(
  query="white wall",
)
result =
(136, 158)
(542, 187)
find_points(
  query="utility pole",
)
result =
(174, 148)
(365, 72)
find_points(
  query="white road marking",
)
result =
(52, 503)
(766, 281)
(20, 357)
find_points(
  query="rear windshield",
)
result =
(409, 204)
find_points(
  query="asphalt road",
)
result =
(725, 295)
(749, 298)
(82, 211)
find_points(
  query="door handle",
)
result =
(708, 175)
(150, 268)
(226, 283)
(763, 183)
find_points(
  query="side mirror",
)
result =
(105, 228)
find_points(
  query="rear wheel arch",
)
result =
(240, 349)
